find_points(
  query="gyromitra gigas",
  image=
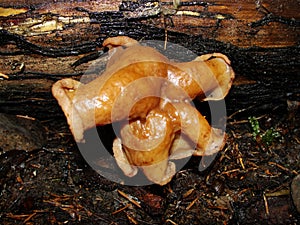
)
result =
(150, 96)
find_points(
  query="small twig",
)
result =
(121, 209)
(238, 122)
(26, 117)
(231, 171)
(129, 198)
(29, 218)
(166, 39)
(131, 219)
(283, 168)
(266, 205)
(171, 221)
(188, 193)
(240, 157)
(242, 163)
(16, 217)
(192, 203)
(4, 75)
(239, 170)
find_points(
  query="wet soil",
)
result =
(248, 183)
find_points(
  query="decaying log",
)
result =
(40, 41)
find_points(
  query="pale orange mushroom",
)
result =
(150, 95)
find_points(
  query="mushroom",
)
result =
(151, 98)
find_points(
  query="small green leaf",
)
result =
(255, 126)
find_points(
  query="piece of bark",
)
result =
(39, 45)
(241, 23)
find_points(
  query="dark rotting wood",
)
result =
(268, 74)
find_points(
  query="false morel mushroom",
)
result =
(151, 97)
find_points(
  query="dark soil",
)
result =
(248, 183)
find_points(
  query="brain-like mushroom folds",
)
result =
(151, 98)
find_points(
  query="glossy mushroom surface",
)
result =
(151, 98)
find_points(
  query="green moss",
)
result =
(267, 137)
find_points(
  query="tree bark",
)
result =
(40, 41)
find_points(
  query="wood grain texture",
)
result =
(244, 24)
(41, 44)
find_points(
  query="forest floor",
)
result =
(248, 183)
